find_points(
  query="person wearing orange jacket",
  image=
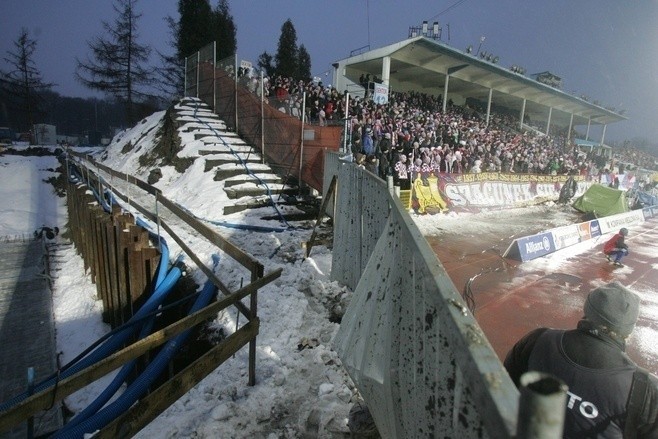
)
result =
(616, 248)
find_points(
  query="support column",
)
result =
(570, 127)
(489, 105)
(445, 92)
(522, 115)
(603, 134)
(386, 70)
(589, 123)
(548, 122)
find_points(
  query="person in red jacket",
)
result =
(616, 247)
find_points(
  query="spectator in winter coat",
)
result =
(616, 247)
(368, 143)
(384, 159)
(401, 175)
(609, 396)
(372, 165)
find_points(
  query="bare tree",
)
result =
(23, 85)
(118, 67)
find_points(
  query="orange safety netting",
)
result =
(278, 137)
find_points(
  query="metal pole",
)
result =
(198, 62)
(30, 390)
(542, 406)
(301, 145)
(185, 80)
(262, 116)
(347, 118)
(236, 92)
(157, 217)
(214, 76)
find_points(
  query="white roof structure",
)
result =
(427, 65)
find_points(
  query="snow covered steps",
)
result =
(247, 180)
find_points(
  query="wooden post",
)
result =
(122, 244)
(112, 279)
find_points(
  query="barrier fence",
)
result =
(291, 144)
(414, 351)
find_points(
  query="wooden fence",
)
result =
(116, 251)
(122, 263)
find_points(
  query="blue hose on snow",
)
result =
(112, 345)
(143, 382)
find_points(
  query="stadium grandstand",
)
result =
(425, 64)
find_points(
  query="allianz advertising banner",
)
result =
(535, 246)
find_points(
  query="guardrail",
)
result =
(415, 352)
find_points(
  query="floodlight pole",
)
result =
(482, 38)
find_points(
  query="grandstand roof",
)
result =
(421, 64)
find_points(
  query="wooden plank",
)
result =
(123, 246)
(112, 261)
(94, 212)
(106, 242)
(42, 400)
(149, 407)
(236, 253)
(327, 197)
(208, 272)
(136, 282)
(84, 231)
(151, 257)
(99, 225)
(150, 261)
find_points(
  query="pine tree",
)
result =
(23, 87)
(194, 27)
(224, 31)
(286, 55)
(303, 64)
(118, 61)
(265, 64)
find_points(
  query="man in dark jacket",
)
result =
(609, 396)
(616, 247)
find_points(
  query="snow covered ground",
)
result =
(301, 390)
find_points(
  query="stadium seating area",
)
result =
(411, 134)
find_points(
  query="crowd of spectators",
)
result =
(629, 154)
(322, 105)
(411, 134)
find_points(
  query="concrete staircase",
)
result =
(239, 166)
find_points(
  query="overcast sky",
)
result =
(605, 49)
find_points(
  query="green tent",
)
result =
(601, 201)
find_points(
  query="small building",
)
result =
(45, 134)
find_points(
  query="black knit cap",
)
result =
(613, 306)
